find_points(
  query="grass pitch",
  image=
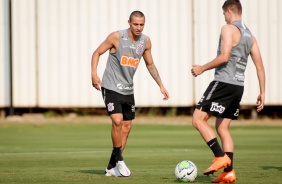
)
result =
(79, 152)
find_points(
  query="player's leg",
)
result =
(126, 128)
(128, 111)
(116, 131)
(222, 127)
(116, 135)
(114, 110)
(200, 122)
(119, 133)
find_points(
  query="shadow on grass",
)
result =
(199, 179)
(203, 179)
(98, 172)
(271, 167)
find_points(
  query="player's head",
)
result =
(136, 14)
(136, 22)
(234, 5)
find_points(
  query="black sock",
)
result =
(117, 153)
(216, 149)
(112, 162)
(229, 168)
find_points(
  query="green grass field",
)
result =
(79, 152)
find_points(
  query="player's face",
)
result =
(226, 16)
(136, 25)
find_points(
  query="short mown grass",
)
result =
(79, 152)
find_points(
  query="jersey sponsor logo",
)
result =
(140, 49)
(110, 106)
(217, 108)
(123, 87)
(129, 61)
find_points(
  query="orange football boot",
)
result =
(225, 177)
(218, 163)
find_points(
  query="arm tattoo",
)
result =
(155, 74)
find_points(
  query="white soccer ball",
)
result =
(186, 171)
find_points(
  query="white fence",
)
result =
(53, 41)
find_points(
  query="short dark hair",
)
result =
(234, 5)
(136, 14)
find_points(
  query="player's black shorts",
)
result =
(222, 100)
(118, 103)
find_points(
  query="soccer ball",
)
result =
(186, 171)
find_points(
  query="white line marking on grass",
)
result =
(94, 151)
(50, 153)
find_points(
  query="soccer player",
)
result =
(126, 48)
(222, 97)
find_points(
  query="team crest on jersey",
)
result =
(139, 49)
(110, 106)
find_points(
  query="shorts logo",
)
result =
(110, 107)
(217, 108)
(236, 113)
(133, 108)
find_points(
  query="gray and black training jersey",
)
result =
(121, 65)
(233, 72)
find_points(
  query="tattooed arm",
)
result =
(153, 69)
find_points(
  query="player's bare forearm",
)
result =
(155, 74)
(96, 83)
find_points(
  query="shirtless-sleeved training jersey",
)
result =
(121, 65)
(233, 71)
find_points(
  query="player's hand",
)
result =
(165, 93)
(196, 70)
(260, 102)
(96, 82)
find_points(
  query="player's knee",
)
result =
(117, 124)
(126, 128)
(195, 123)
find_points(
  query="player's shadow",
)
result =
(203, 179)
(271, 167)
(200, 179)
(98, 172)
